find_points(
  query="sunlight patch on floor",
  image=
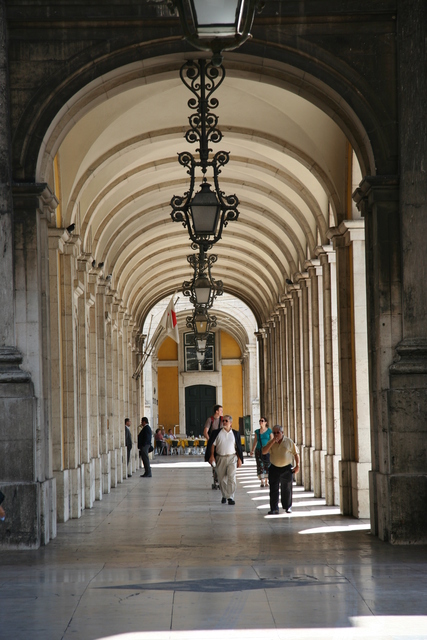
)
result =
(360, 628)
(337, 529)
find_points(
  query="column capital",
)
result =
(328, 254)
(311, 264)
(412, 354)
(304, 276)
(10, 361)
(286, 300)
(35, 195)
(347, 232)
(374, 189)
(57, 238)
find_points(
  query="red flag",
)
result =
(169, 321)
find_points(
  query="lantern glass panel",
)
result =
(219, 18)
(201, 326)
(205, 212)
(202, 290)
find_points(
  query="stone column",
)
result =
(317, 394)
(279, 380)
(268, 368)
(254, 391)
(296, 321)
(355, 464)
(260, 336)
(83, 382)
(306, 375)
(111, 334)
(274, 375)
(332, 383)
(103, 319)
(120, 417)
(95, 425)
(57, 240)
(284, 367)
(26, 470)
(290, 364)
(397, 303)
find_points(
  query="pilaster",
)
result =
(304, 284)
(398, 487)
(327, 258)
(296, 321)
(318, 453)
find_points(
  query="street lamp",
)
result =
(201, 324)
(216, 25)
(203, 288)
(207, 211)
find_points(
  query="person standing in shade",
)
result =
(213, 424)
(226, 452)
(128, 443)
(144, 444)
(262, 436)
(282, 452)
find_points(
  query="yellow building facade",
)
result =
(226, 377)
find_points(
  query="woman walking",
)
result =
(262, 436)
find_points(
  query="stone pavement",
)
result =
(161, 558)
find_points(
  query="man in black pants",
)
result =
(282, 452)
(144, 444)
(128, 443)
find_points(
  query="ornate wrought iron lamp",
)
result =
(201, 324)
(203, 288)
(206, 212)
(216, 25)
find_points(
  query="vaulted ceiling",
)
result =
(115, 148)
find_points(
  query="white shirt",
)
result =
(225, 443)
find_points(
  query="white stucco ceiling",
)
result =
(118, 171)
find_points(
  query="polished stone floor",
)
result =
(161, 558)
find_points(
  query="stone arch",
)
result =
(60, 97)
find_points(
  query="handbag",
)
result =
(150, 448)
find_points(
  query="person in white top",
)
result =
(226, 452)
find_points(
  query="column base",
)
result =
(106, 472)
(62, 494)
(332, 485)
(306, 467)
(30, 514)
(354, 488)
(114, 463)
(401, 502)
(75, 488)
(318, 473)
(360, 489)
(89, 488)
(98, 477)
(120, 466)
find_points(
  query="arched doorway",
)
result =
(199, 400)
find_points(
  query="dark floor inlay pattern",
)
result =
(221, 585)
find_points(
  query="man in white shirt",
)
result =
(282, 452)
(226, 453)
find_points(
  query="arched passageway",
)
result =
(94, 167)
(294, 168)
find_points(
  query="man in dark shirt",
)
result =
(128, 443)
(144, 444)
